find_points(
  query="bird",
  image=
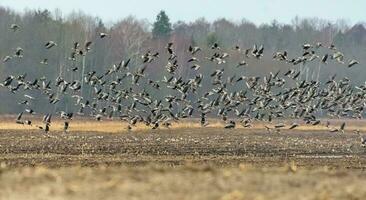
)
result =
(325, 58)
(269, 129)
(332, 47)
(193, 50)
(47, 118)
(28, 122)
(98, 117)
(307, 46)
(29, 97)
(24, 102)
(19, 52)
(215, 46)
(294, 125)
(352, 63)
(242, 63)
(204, 122)
(195, 67)
(279, 125)
(193, 59)
(7, 58)
(30, 111)
(103, 35)
(129, 127)
(88, 46)
(14, 27)
(50, 44)
(341, 128)
(316, 122)
(343, 125)
(230, 125)
(66, 126)
(44, 61)
(46, 128)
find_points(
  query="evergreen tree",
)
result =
(162, 27)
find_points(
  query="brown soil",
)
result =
(199, 163)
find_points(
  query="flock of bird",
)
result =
(236, 100)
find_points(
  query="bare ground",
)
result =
(209, 163)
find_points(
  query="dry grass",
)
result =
(116, 126)
(189, 182)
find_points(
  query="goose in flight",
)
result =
(44, 61)
(353, 62)
(294, 125)
(103, 35)
(14, 27)
(230, 125)
(19, 52)
(50, 44)
(242, 63)
(19, 117)
(7, 58)
(193, 50)
(88, 46)
(66, 126)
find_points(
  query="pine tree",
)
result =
(162, 27)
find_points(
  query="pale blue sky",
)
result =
(257, 11)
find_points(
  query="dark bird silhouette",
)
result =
(66, 126)
(103, 35)
(50, 44)
(352, 63)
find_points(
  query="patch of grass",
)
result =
(115, 126)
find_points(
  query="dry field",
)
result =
(104, 161)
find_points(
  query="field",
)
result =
(104, 161)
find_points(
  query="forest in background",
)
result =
(131, 37)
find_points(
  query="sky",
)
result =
(257, 11)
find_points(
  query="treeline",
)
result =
(131, 37)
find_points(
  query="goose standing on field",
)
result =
(242, 63)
